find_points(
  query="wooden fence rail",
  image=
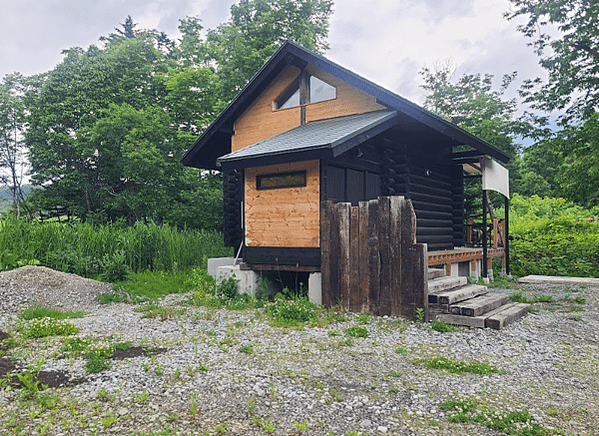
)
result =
(370, 259)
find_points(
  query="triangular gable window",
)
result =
(316, 90)
(320, 90)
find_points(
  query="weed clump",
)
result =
(43, 327)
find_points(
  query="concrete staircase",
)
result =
(453, 300)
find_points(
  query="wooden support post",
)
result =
(485, 273)
(506, 236)
(371, 210)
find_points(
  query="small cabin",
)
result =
(305, 130)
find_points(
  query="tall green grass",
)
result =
(86, 249)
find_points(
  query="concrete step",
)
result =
(435, 273)
(443, 284)
(478, 305)
(495, 319)
(459, 294)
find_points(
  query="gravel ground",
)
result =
(226, 372)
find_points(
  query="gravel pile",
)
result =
(226, 372)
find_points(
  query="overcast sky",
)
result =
(386, 41)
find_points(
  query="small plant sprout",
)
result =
(300, 427)
(141, 398)
(251, 406)
(419, 315)
(193, 408)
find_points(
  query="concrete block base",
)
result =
(215, 263)
(248, 280)
(315, 288)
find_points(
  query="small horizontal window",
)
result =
(281, 180)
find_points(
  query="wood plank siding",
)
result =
(283, 217)
(349, 101)
(260, 121)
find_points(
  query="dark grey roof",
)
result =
(332, 135)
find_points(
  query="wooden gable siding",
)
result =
(349, 101)
(284, 217)
(260, 121)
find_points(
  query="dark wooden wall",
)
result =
(435, 186)
(369, 258)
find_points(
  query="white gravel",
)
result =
(295, 376)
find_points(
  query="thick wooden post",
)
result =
(369, 258)
(485, 272)
(506, 236)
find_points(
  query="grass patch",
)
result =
(42, 312)
(292, 312)
(44, 327)
(153, 310)
(356, 332)
(519, 298)
(456, 366)
(443, 327)
(578, 299)
(514, 422)
(574, 309)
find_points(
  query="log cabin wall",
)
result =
(232, 201)
(436, 191)
(283, 217)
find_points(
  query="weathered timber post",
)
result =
(370, 259)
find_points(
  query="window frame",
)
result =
(302, 84)
(302, 173)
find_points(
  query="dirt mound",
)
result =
(37, 285)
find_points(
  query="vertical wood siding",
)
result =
(284, 217)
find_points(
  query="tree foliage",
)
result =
(565, 36)
(566, 39)
(12, 127)
(108, 125)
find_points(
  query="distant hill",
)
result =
(6, 196)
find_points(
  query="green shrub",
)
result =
(228, 289)
(96, 363)
(114, 267)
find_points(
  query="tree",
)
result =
(471, 103)
(570, 54)
(108, 125)
(257, 28)
(571, 58)
(12, 125)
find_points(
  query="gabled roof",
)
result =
(316, 140)
(216, 140)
